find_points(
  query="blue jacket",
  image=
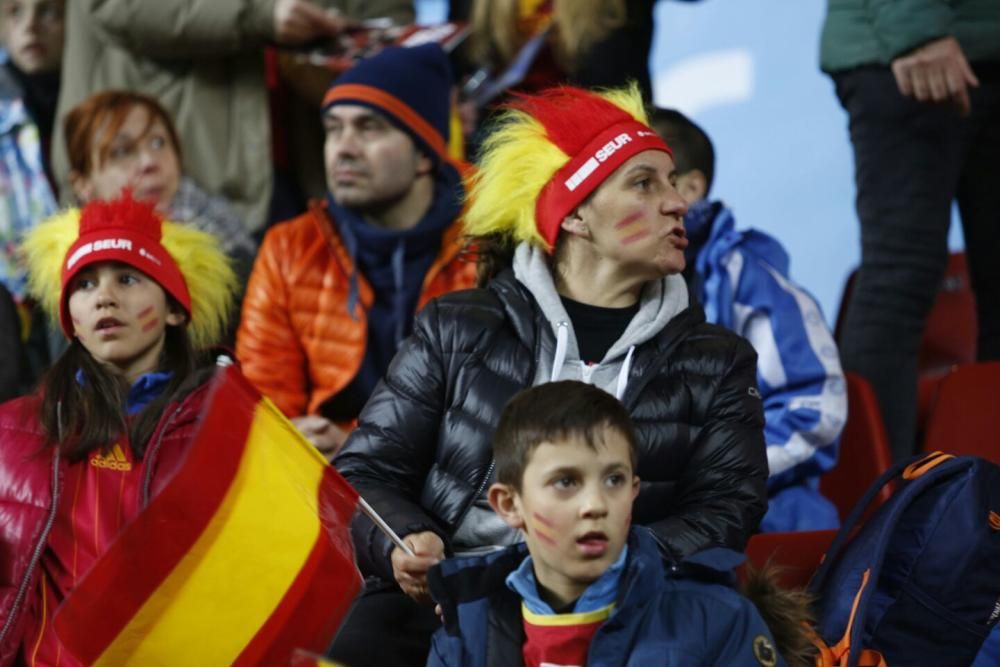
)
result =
(26, 198)
(684, 614)
(744, 286)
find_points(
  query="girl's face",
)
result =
(120, 315)
(636, 217)
(140, 156)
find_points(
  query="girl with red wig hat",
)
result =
(580, 232)
(140, 300)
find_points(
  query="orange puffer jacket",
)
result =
(296, 341)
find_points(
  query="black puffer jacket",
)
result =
(421, 452)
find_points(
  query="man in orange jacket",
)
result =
(333, 292)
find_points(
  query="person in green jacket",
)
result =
(920, 81)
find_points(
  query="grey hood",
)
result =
(660, 302)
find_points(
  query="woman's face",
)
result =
(636, 217)
(141, 156)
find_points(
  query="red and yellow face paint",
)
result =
(544, 533)
(632, 228)
(147, 323)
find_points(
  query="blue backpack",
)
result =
(919, 581)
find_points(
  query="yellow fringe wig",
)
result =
(207, 271)
(517, 159)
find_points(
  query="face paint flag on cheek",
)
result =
(632, 228)
(540, 534)
(145, 321)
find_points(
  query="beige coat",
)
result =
(203, 60)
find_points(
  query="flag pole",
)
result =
(383, 526)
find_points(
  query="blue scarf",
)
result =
(142, 392)
(599, 594)
(395, 263)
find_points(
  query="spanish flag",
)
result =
(243, 557)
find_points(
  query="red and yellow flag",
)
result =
(243, 557)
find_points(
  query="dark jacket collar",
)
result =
(461, 581)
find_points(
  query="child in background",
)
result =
(31, 34)
(141, 300)
(585, 588)
(741, 279)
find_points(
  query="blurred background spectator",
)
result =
(203, 60)
(594, 43)
(31, 32)
(920, 82)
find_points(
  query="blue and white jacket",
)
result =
(684, 614)
(26, 198)
(743, 283)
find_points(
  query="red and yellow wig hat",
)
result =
(187, 263)
(549, 153)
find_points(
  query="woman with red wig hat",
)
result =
(140, 300)
(581, 240)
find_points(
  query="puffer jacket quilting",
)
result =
(297, 341)
(30, 481)
(420, 454)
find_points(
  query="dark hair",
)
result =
(95, 122)
(495, 252)
(690, 144)
(83, 402)
(550, 412)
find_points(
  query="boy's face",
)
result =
(692, 186)
(32, 32)
(575, 508)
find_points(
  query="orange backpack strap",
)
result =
(839, 655)
(870, 658)
(918, 468)
(843, 647)
(825, 656)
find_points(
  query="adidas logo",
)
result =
(113, 460)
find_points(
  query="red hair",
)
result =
(94, 123)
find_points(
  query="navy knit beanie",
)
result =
(410, 85)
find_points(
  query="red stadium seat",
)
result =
(798, 553)
(864, 450)
(950, 336)
(965, 417)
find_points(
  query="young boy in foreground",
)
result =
(586, 587)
